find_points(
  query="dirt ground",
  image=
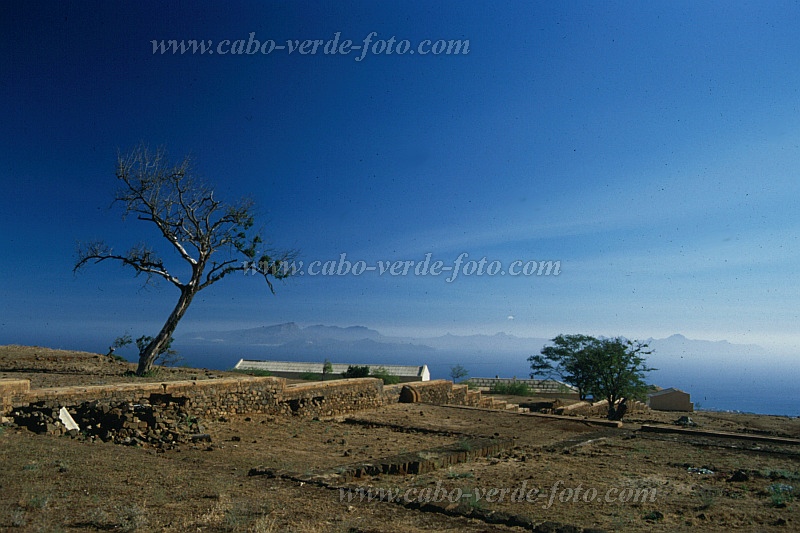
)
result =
(554, 471)
(46, 367)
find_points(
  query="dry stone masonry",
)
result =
(164, 414)
(163, 424)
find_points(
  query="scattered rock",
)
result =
(739, 476)
(165, 423)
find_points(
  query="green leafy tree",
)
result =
(354, 371)
(570, 359)
(195, 224)
(327, 368)
(620, 368)
(383, 374)
(458, 372)
(612, 369)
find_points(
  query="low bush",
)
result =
(512, 389)
(388, 379)
(356, 372)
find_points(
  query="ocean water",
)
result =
(767, 390)
(762, 386)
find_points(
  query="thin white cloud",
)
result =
(751, 184)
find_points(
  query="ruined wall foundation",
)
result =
(214, 398)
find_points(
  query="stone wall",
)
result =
(9, 388)
(437, 391)
(331, 398)
(213, 397)
(599, 408)
(547, 388)
(240, 395)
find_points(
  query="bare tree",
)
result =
(196, 225)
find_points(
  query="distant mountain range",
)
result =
(486, 354)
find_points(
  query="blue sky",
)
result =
(651, 148)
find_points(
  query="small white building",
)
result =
(670, 400)
(299, 370)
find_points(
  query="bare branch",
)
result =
(266, 266)
(196, 225)
(141, 258)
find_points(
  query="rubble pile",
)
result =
(164, 423)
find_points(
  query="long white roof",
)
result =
(337, 368)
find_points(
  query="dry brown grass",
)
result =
(64, 484)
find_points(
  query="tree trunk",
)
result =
(149, 354)
(612, 408)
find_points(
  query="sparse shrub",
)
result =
(18, 517)
(134, 518)
(780, 474)
(452, 474)
(388, 379)
(119, 342)
(470, 498)
(264, 524)
(235, 519)
(309, 376)
(464, 445)
(166, 355)
(38, 502)
(512, 389)
(780, 494)
(707, 498)
(187, 419)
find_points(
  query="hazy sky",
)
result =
(650, 147)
